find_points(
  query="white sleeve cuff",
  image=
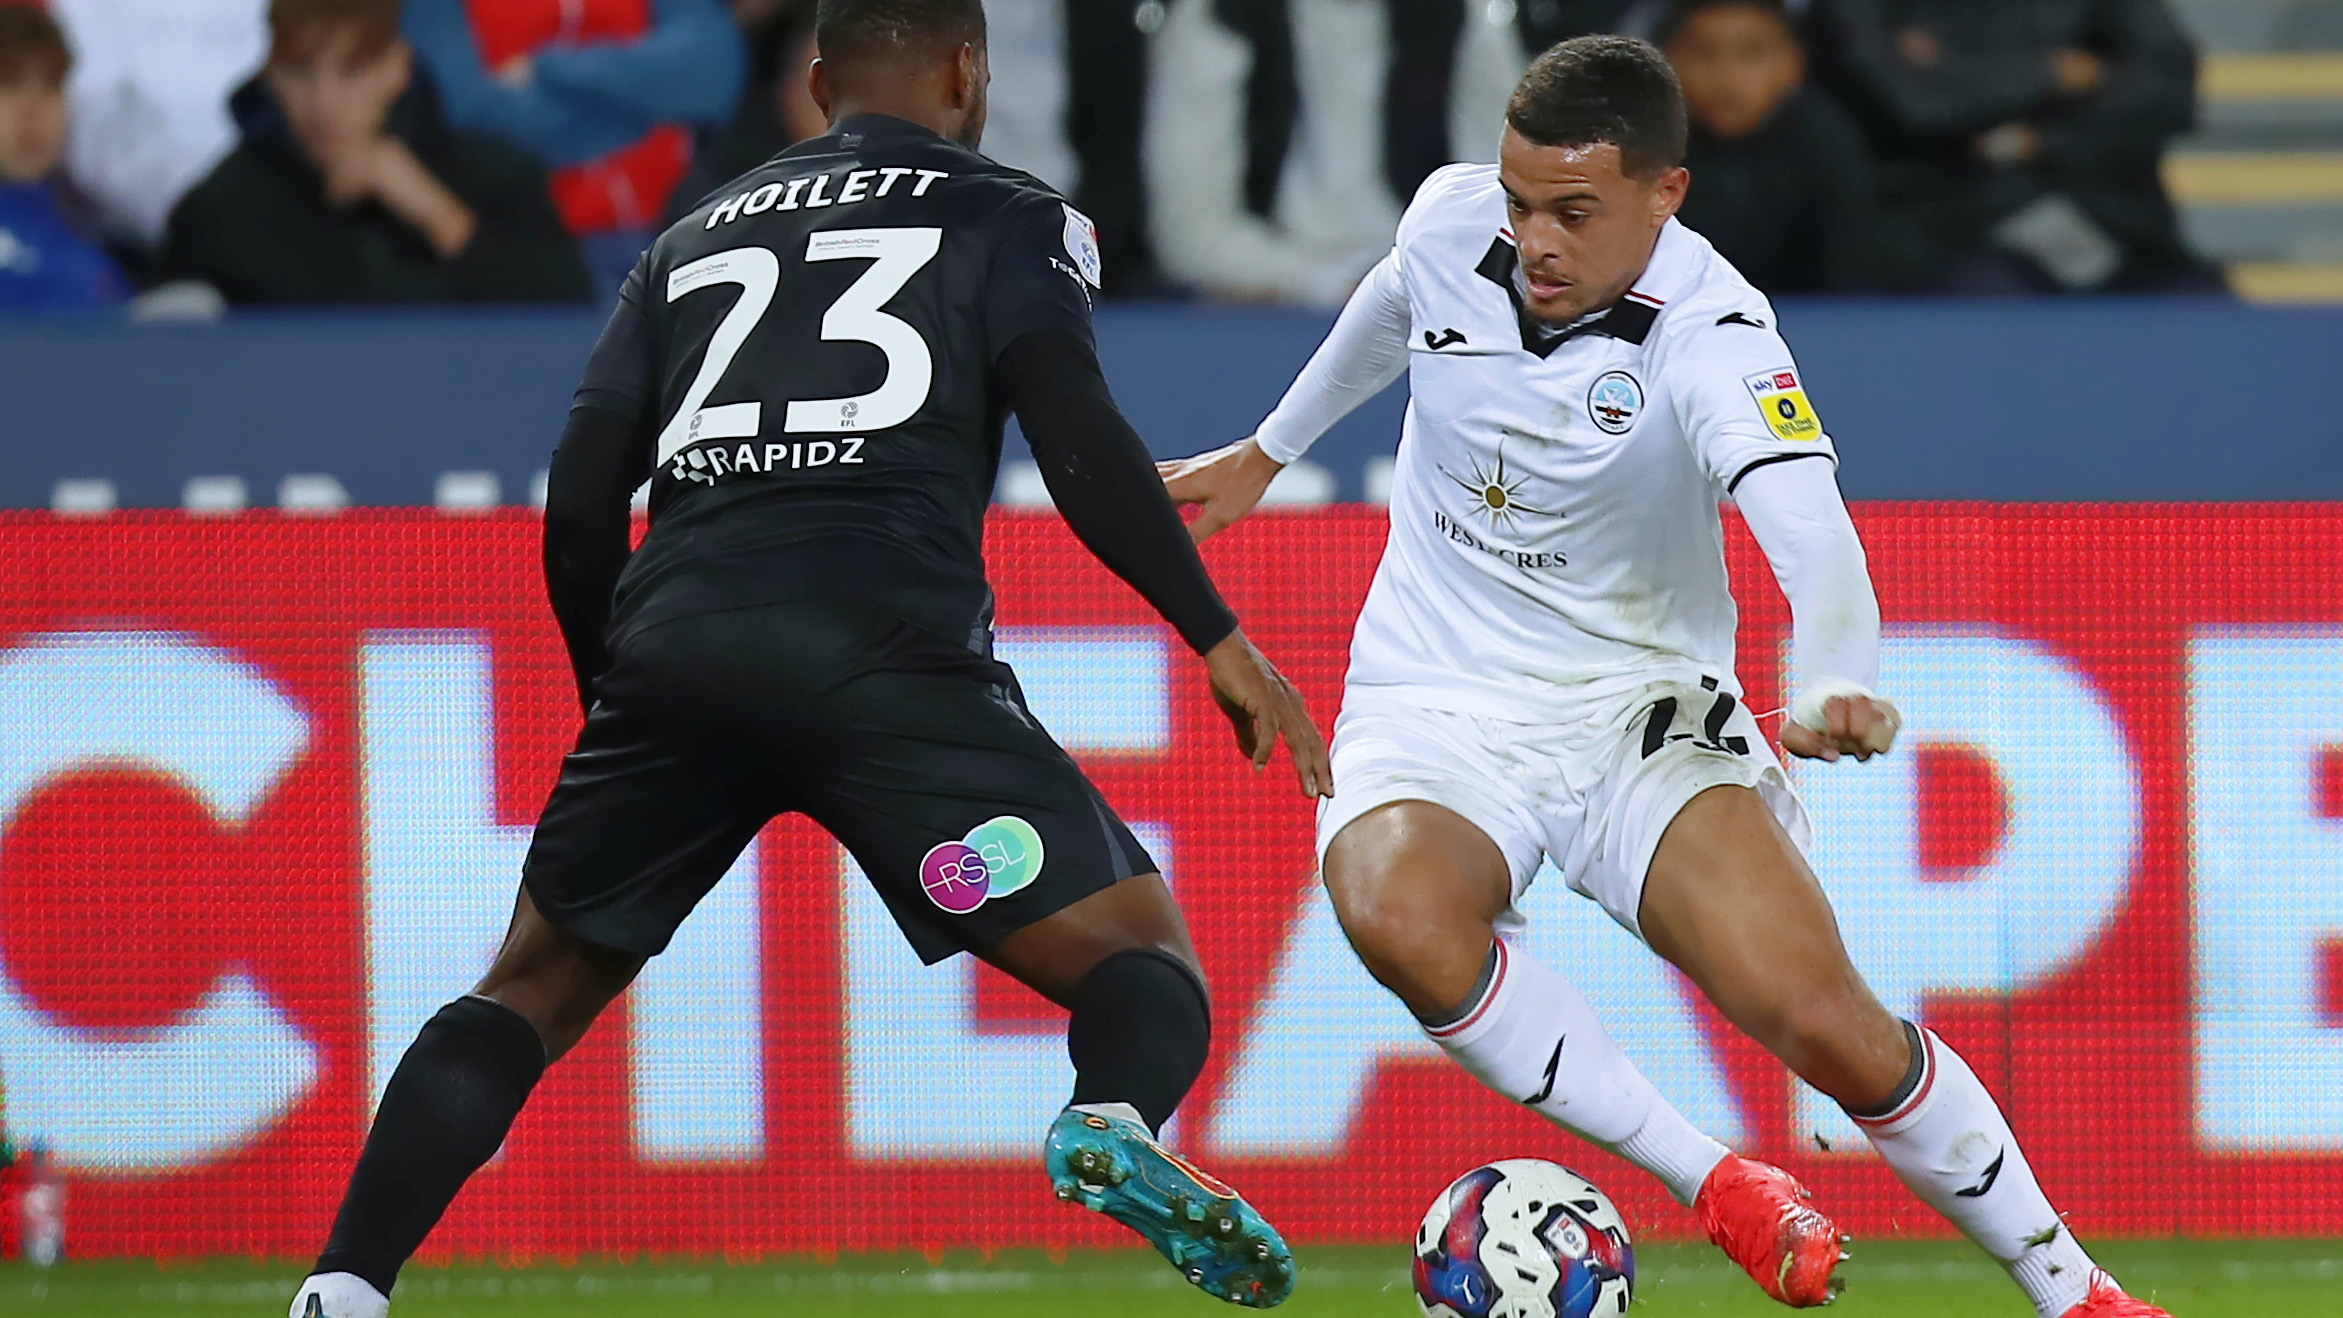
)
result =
(1811, 710)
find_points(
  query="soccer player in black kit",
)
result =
(813, 368)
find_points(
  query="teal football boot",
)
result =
(1113, 1166)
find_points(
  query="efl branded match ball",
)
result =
(1523, 1239)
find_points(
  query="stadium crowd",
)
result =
(192, 152)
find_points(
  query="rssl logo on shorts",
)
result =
(1000, 856)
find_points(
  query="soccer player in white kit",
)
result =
(1544, 668)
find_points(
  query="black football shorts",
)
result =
(919, 755)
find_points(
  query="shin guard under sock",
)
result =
(1943, 1134)
(1140, 1033)
(445, 1112)
(1531, 1036)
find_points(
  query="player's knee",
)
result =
(560, 998)
(1825, 1034)
(1415, 949)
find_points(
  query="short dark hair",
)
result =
(866, 29)
(32, 46)
(298, 27)
(1682, 12)
(1604, 89)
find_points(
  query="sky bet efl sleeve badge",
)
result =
(1783, 402)
(1082, 245)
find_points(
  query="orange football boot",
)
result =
(2107, 1300)
(1763, 1220)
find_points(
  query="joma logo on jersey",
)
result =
(710, 463)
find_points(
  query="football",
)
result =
(1523, 1238)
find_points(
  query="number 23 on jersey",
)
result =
(857, 316)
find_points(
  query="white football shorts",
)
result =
(1593, 793)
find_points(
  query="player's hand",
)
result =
(1262, 706)
(1227, 482)
(1860, 726)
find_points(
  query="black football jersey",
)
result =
(815, 347)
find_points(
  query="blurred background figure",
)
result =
(604, 93)
(1453, 65)
(1782, 182)
(349, 187)
(45, 261)
(1106, 52)
(149, 99)
(2026, 135)
(774, 110)
(1277, 155)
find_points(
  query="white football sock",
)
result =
(339, 1295)
(1532, 1037)
(1950, 1143)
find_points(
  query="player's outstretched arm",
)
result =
(1103, 482)
(1797, 517)
(1227, 483)
(1364, 352)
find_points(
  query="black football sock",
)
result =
(1140, 1032)
(445, 1112)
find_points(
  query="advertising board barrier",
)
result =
(265, 783)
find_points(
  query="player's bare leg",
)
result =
(453, 1099)
(1418, 889)
(1121, 962)
(1731, 902)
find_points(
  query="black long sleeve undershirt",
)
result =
(1104, 483)
(1097, 470)
(588, 514)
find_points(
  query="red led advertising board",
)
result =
(265, 782)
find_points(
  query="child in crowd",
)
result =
(1782, 181)
(44, 262)
(349, 187)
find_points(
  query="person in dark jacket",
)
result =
(349, 187)
(2027, 134)
(776, 109)
(45, 262)
(1782, 182)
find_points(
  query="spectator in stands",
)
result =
(44, 262)
(604, 92)
(1782, 182)
(2027, 134)
(775, 110)
(349, 188)
(149, 95)
(1250, 204)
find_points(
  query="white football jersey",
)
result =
(1555, 533)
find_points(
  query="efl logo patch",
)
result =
(1000, 856)
(1783, 403)
(1082, 246)
(1614, 402)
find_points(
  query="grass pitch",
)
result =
(2196, 1279)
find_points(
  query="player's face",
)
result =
(1584, 226)
(1737, 63)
